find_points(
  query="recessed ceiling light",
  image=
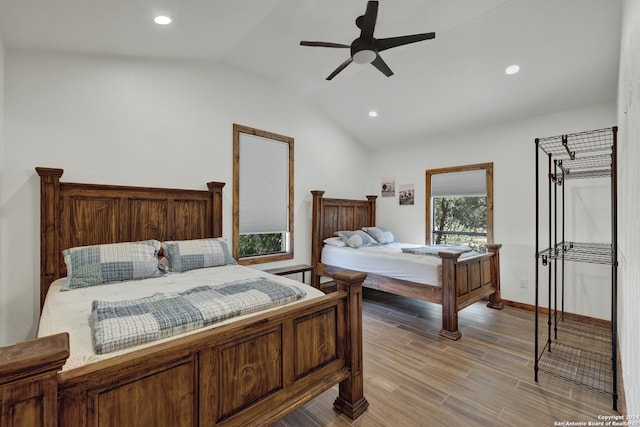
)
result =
(162, 20)
(373, 113)
(512, 69)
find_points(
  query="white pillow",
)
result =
(334, 241)
(356, 239)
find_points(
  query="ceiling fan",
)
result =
(365, 49)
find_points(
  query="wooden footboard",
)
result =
(251, 372)
(465, 282)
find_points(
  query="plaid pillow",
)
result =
(116, 262)
(185, 255)
(356, 239)
(381, 234)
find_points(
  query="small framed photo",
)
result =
(406, 194)
(388, 187)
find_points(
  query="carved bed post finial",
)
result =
(351, 400)
(316, 238)
(49, 227)
(216, 195)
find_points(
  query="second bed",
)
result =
(453, 280)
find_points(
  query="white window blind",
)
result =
(466, 183)
(264, 184)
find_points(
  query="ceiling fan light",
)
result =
(365, 56)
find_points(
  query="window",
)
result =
(459, 205)
(262, 196)
(460, 221)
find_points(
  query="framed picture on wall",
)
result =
(406, 194)
(388, 186)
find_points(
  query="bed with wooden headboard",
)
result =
(464, 282)
(252, 371)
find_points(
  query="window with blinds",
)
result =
(459, 203)
(263, 196)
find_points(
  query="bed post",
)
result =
(316, 230)
(216, 195)
(28, 381)
(351, 400)
(49, 228)
(372, 210)
(449, 296)
(495, 300)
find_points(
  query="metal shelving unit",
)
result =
(573, 351)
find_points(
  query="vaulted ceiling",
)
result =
(567, 49)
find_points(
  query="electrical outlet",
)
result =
(524, 283)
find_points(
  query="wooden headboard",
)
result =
(331, 215)
(74, 214)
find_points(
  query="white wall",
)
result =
(144, 122)
(511, 148)
(2, 161)
(629, 203)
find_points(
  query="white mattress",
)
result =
(389, 260)
(69, 311)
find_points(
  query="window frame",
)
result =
(257, 259)
(487, 167)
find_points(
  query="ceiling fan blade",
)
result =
(382, 66)
(340, 68)
(369, 20)
(323, 44)
(390, 42)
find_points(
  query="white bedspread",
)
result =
(69, 311)
(389, 260)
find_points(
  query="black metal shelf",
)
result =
(579, 353)
(579, 365)
(576, 144)
(596, 338)
(592, 166)
(593, 253)
(581, 155)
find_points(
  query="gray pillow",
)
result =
(356, 239)
(185, 255)
(381, 234)
(115, 262)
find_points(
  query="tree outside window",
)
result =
(257, 244)
(460, 221)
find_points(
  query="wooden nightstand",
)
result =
(293, 269)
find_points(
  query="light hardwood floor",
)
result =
(414, 377)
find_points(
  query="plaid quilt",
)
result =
(434, 249)
(122, 324)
